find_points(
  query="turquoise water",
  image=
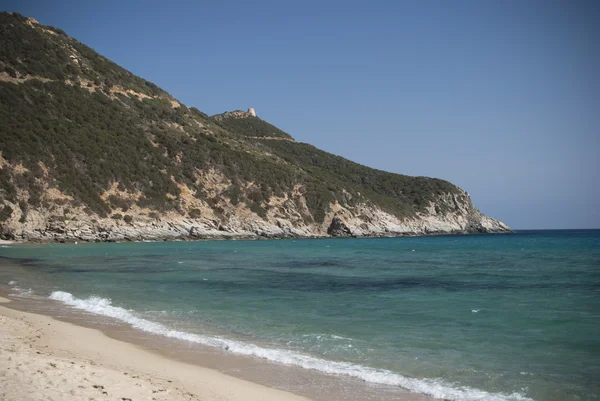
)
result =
(489, 317)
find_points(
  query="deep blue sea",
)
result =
(482, 317)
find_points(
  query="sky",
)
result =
(501, 98)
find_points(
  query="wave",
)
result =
(437, 388)
(22, 292)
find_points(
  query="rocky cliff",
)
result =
(62, 222)
(91, 152)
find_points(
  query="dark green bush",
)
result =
(195, 213)
(259, 210)
(5, 213)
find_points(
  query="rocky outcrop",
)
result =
(235, 114)
(338, 228)
(451, 214)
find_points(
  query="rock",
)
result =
(449, 213)
(338, 228)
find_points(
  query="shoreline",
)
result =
(256, 237)
(43, 356)
(33, 287)
(292, 381)
(313, 384)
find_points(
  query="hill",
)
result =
(90, 151)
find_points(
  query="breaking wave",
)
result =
(437, 388)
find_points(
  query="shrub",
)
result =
(11, 71)
(195, 213)
(234, 194)
(259, 210)
(5, 213)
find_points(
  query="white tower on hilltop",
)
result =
(252, 112)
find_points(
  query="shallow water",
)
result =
(490, 317)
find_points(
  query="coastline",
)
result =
(244, 237)
(45, 357)
(267, 372)
(37, 279)
(289, 383)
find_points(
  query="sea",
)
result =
(458, 317)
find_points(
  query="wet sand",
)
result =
(170, 359)
(45, 359)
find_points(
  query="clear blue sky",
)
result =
(499, 97)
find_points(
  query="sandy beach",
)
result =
(45, 359)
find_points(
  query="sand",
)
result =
(45, 359)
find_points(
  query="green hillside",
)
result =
(71, 119)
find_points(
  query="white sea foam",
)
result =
(12, 282)
(433, 387)
(22, 292)
(340, 337)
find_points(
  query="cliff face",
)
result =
(90, 152)
(61, 223)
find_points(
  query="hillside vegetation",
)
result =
(74, 123)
